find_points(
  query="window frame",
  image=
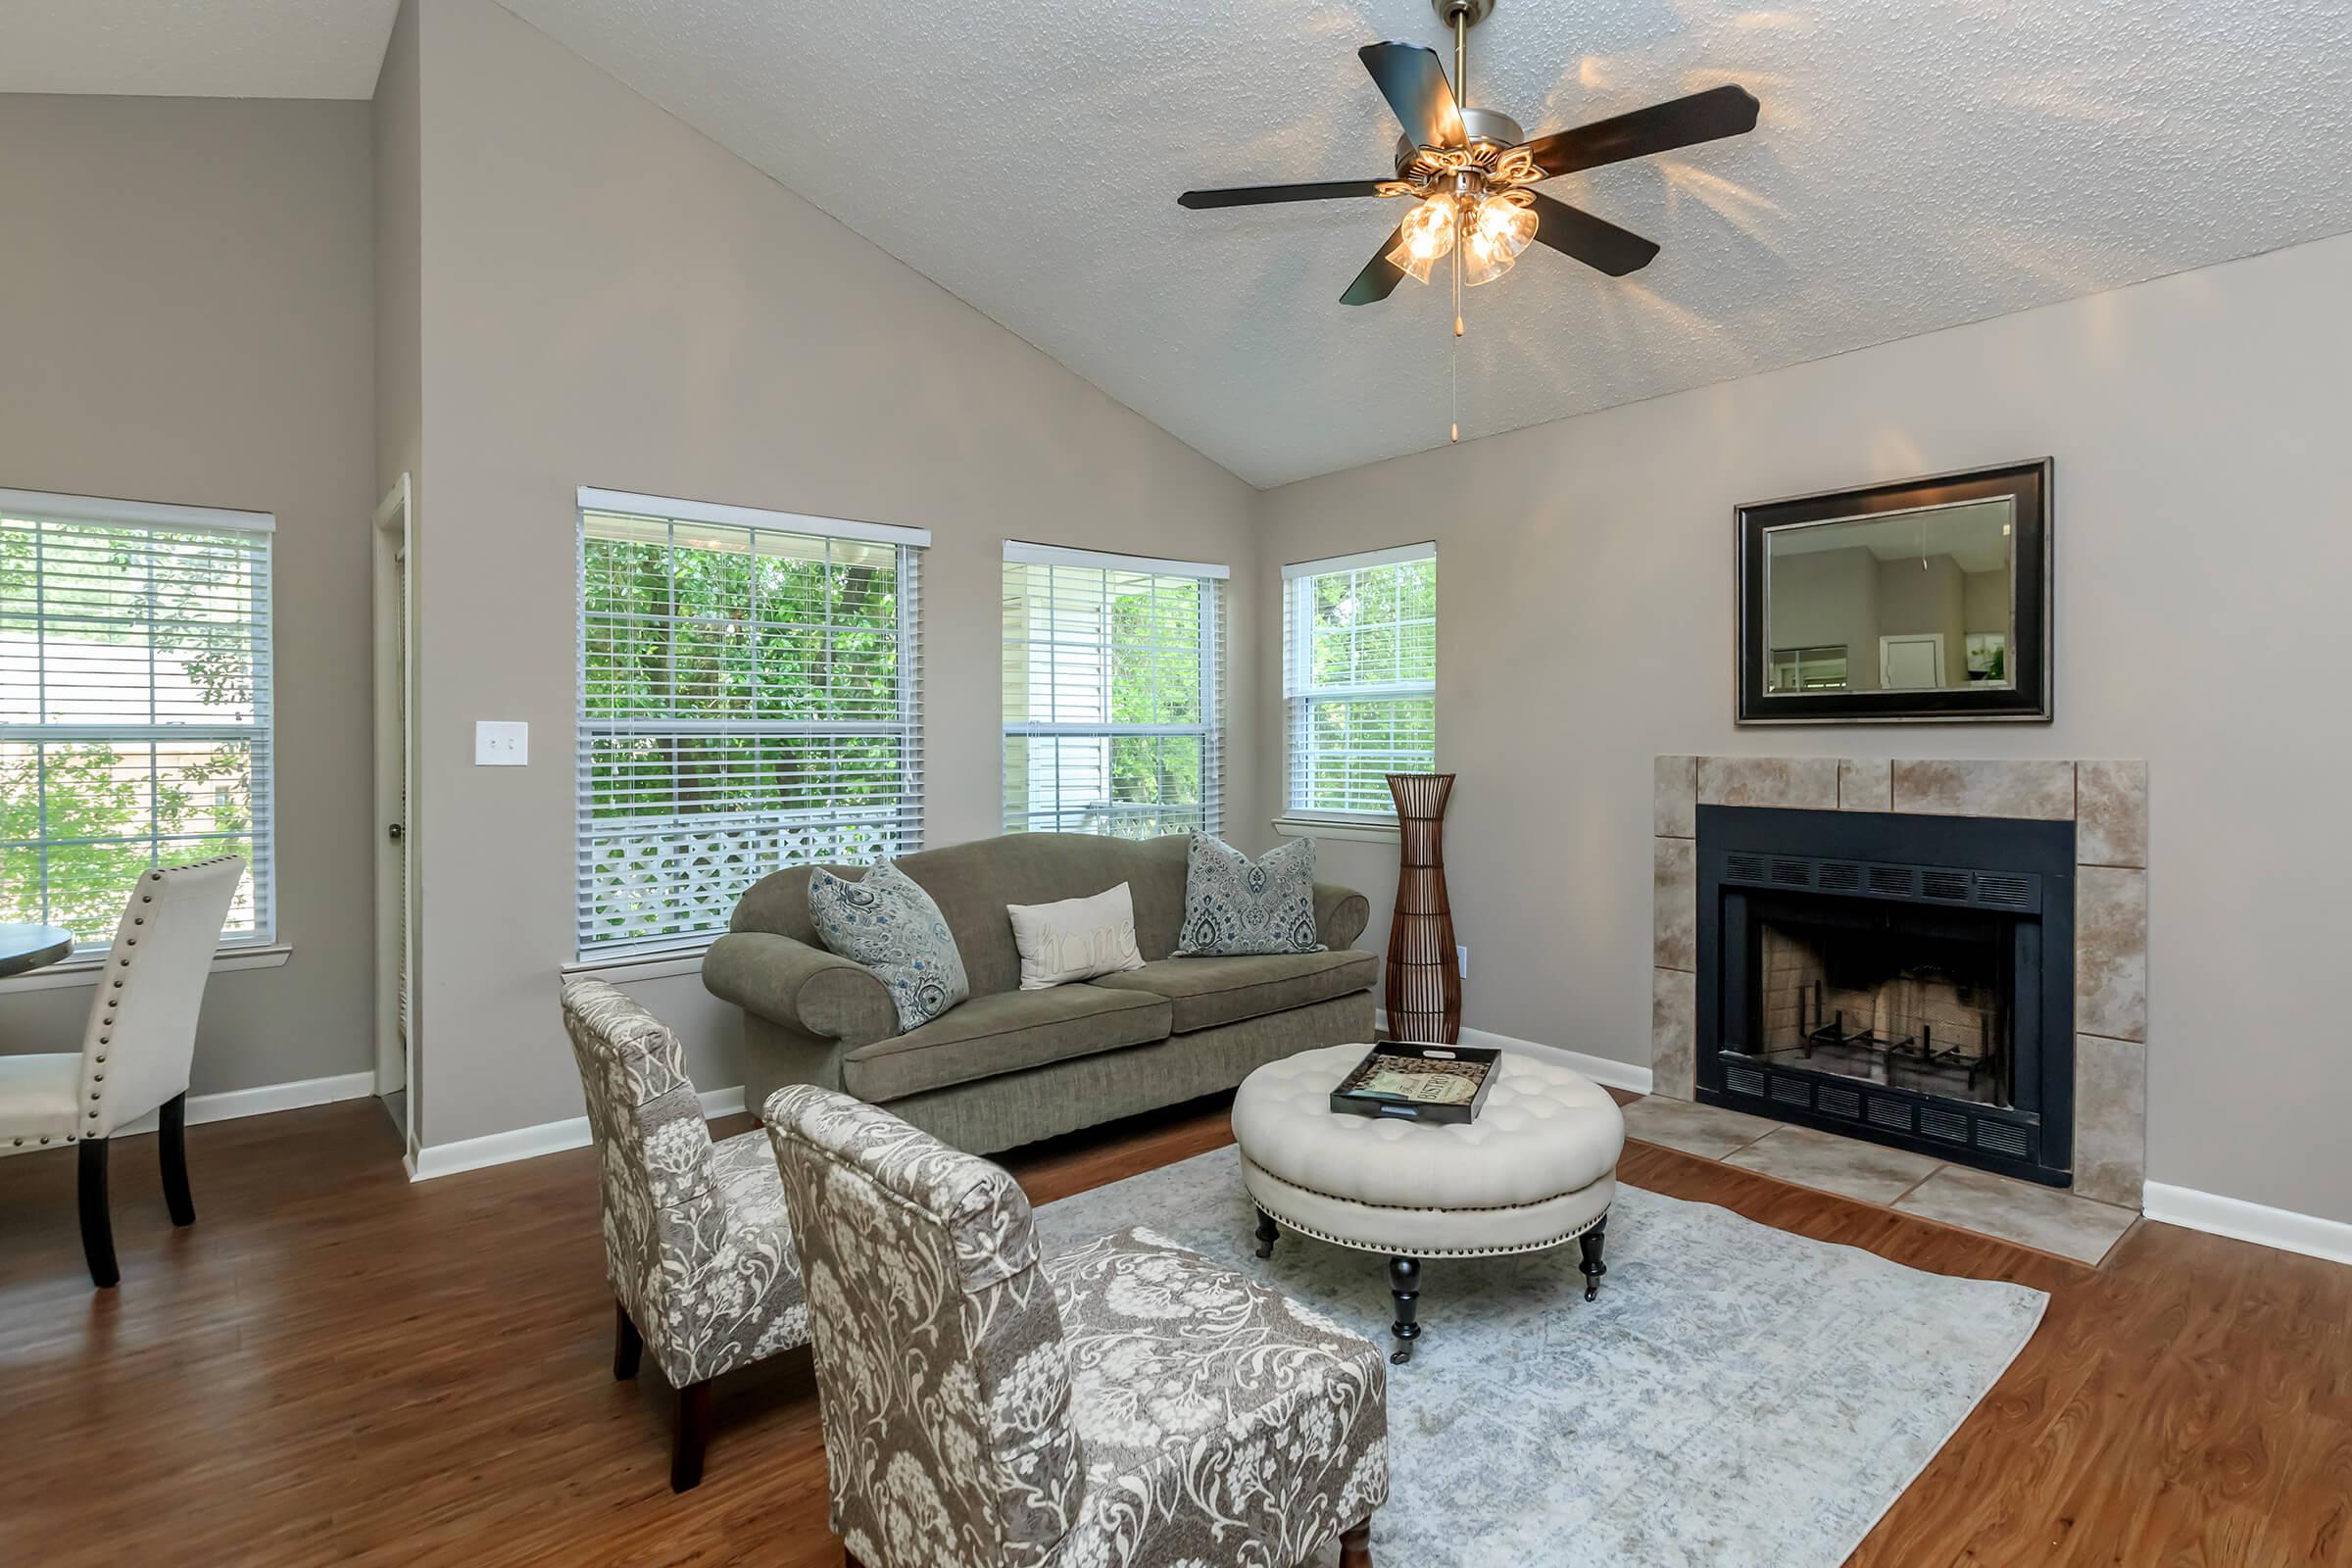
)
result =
(1214, 611)
(1298, 697)
(676, 951)
(256, 532)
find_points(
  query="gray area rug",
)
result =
(1738, 1396)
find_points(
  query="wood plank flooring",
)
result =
(334, 1366)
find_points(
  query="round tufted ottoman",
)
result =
(1536, 1169)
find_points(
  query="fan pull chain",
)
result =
(1458, 390)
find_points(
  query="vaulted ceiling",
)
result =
(1916, 165)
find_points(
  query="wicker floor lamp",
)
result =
(1424, 980)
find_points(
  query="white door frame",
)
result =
(395, 914)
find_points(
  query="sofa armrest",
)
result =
(805, 989)
(1339, 915)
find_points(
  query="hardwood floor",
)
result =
(335, 1365)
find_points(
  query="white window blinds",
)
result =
(749, 699)
(135, 705)
(1359, 678)
(1114, 693)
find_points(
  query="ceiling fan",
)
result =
(1472, 168)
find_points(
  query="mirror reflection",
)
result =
(1907, 601)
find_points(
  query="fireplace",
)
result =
(1905, 979)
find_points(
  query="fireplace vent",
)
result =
(2019, 892)
(1952, 884)
(2004, 891)
(1837, 1101)
(1948, 1126)
(2003, 1138)
(1893, 1113)
(1743, 1080)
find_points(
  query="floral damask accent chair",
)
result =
(1128, 1404)
(696, 1242)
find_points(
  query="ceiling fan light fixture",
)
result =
(1506, 223)
(1426, 235)
(1483, 262)
(1496, 236)
(1413, 266)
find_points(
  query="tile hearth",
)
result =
(2040, 1217)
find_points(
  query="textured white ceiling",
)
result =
(1918, 165)
(195, 48)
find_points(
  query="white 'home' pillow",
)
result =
(1075, 939)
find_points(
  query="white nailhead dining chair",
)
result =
(135, 1049)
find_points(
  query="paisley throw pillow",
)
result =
(1234, 904)
(885, 921)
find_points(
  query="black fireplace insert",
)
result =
(1904, 979)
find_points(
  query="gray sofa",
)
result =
(1010, 1066)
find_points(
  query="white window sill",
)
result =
(640, 965)
(84, 971)
(1365, 830)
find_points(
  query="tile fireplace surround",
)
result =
(2107, 803)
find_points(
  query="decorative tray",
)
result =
(1419, 1083)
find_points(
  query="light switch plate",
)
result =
(501, 743)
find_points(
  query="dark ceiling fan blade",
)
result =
(1380, 276)
(1413, 81)
(1260, 195)
(1726, 111)
(1593, 241)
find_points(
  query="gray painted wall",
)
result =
(2197, 423)
(610, 298)
(188, 315)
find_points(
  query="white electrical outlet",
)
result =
(1461, 960)
(501, 743)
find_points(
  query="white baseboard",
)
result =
(231, 1103)
(1602, 1071)
(2234, 1218)
(530, 1142)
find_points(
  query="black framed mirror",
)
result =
(1919, 601)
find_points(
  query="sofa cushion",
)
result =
(1004, 1033)
(1204, 993)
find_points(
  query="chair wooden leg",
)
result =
(849, 1559)
(171, 1143)
(628, 1346)
(692, 1437)
(97, 1227)
(1355, 1546)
